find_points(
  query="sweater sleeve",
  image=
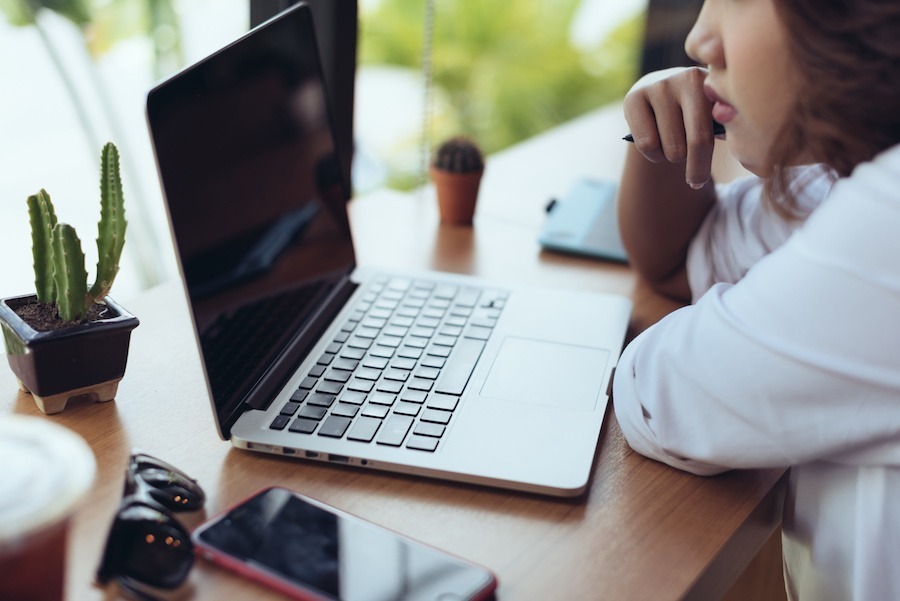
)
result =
(796, 361)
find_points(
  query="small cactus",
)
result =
(458, 155)
(59, 274)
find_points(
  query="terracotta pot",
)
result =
(84, 360)
(457, 194)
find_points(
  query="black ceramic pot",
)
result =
(84, 360)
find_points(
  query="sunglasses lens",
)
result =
(170, 486)
(148, 546)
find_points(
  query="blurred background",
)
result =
(75, 74)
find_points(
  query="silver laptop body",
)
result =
(308, 356)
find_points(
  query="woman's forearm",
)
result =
(658, 216)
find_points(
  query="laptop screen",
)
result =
(247, 160)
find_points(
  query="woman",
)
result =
(790, 352)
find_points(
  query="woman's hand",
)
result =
(671, 120)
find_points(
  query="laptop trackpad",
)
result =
(547, 373)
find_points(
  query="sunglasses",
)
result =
(146, 544)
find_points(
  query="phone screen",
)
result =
(322, 550)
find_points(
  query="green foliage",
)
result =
(59, 272)
(508, 69)
(105, 22)
(22, 12)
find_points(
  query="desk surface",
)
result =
(643, 530)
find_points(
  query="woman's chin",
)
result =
(751, 161)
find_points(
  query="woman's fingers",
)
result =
(670, 120)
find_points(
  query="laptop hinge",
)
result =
(261, 395)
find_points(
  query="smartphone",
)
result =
(310, 551)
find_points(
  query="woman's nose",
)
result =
(703, 43)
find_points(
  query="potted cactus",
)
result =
(456, 172)
(68, 340)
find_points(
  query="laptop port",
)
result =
(311, 454)
(288, 451)
(338, 458)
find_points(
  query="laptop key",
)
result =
(364, 429)
(429, 373)
(445, 291)
(303, 426)
(460, 366)
(468, 297)
(375, 362)
(280, 422)
(299, 395)
(414, 396)
(433, 361)
(436, 416)
(389, 386)
(444, 402)
(427, 429)
(320, 399)
(384, 352)
(396, 374)
(405, 408)
(375, 411)
(347, 364)
(360, 385)
(394, 430)
(334, 426)
(290, 408)
(328, 387)
(422, 443)
(382, 398)
(419, 384)
(353, 353)
(312, 412)
(403, 363)
(416, 342)
(337, 375)
(345, 410)
(367, 373)
(477, 332)
(439, 351)
(353, 397)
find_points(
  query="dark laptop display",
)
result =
(270, 185)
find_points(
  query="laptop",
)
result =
(308, 356)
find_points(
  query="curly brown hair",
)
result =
(848, 52)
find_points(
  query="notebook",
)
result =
(308, 356)
(583, 222)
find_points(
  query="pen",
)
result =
(718, 130)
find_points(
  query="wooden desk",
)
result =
(643, 531)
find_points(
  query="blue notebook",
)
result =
(584, 222)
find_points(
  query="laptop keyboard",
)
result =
(395, 372)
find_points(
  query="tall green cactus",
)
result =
(43, 219)
(59, 273)
(111, 228)
(69, 274)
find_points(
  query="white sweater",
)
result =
(790, 356)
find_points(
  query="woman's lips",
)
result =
(721, 111)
